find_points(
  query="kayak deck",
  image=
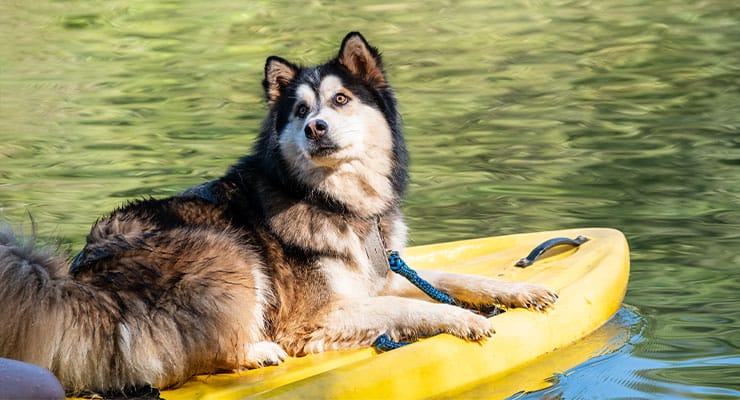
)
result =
(591, 281)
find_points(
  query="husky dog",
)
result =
(268, 261)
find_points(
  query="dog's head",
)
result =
(335, 127)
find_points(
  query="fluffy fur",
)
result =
(265, 262)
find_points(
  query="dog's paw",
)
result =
(530, 296)
(481, 293)
(471, 326)
(262, 354)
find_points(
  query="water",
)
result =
(520, 116)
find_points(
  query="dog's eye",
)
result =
(301, 111)
(340, 99)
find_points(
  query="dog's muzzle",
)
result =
(320, 143)
(315, 129)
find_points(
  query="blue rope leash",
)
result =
(384, 342)
(399, 266)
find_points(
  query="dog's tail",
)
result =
(49, 319)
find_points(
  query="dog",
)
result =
(274, 259)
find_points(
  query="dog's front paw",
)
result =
(480, 293)
(530, 296)
(469, 326)
(261, 354)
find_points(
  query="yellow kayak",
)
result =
(591, 280)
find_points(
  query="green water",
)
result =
(520, 116)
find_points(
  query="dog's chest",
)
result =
(355, 277)
(341, 244)
(353, 271)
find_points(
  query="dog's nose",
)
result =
(316, 129)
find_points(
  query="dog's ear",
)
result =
(278, 75)
(361, 59)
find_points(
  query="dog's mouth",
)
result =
(323, 147)
(323, 150)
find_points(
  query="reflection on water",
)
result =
(549, 377)
(621, 373)
(520, 116)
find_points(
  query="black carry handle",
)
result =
(547, 245)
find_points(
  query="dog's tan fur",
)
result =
(267, 261)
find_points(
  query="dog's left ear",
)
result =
(361, 59)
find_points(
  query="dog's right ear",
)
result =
(278, 75)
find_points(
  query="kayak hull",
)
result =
(591, 281)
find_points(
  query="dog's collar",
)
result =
(376, 250)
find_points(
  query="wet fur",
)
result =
(239, 272)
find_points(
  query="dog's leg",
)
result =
(357, 322)
(477, 291)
